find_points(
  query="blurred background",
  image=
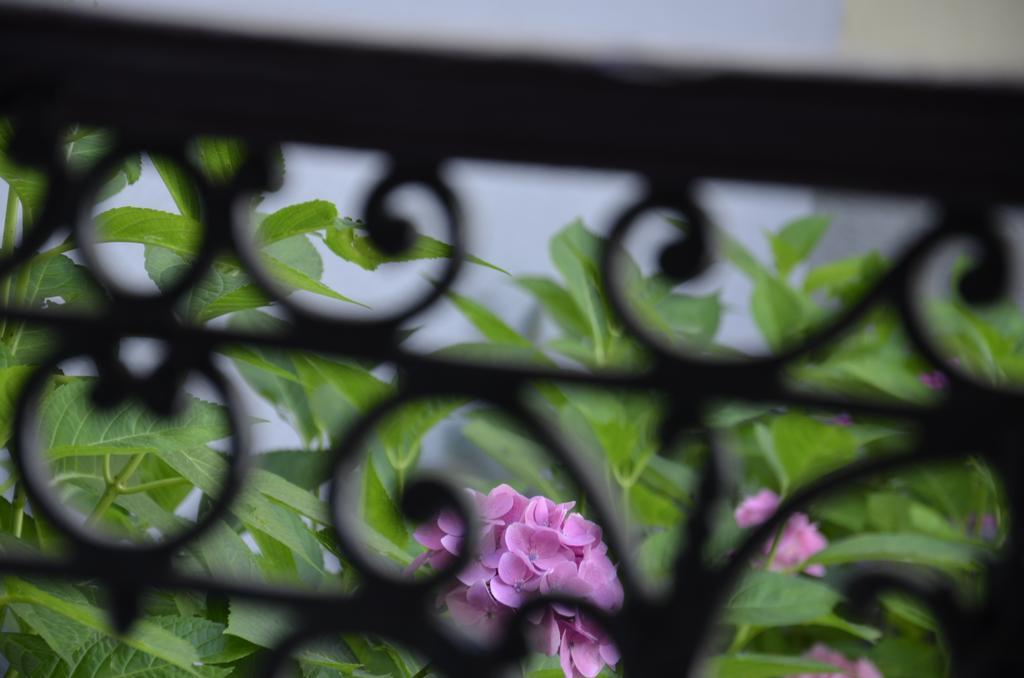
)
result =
(513, 210)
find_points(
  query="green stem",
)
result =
(115, 489)
(154, 485)
(740, 639)
(18, 519)
(108, 474)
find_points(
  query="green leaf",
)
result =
(207, 637)
(262, 625)
(657, 553)
(288, 395)
(910, 610)
(291, 276)
(773, 599)
(220, 157)
(898, 657)
(846, 279)
(833, 621)
(488, 324)
(624, 425)
(31, 656)
(690, 317)
(402, 432)
(293, 220)
(149, 227)
(357, 385)
(72, 426)
(741, 257)
(289, 550)
(64, 635)
(676, 316)
(304, 468)
(902, 548)
(807, 448)
(751, 665)
(778, 311)
(491, 431)
(29, 184)
(180, 185)
(575, 252)
(795, 242)
(558, 303)
(345, 241)
(11, 381)
(651, 508)
(224, 289)
(146, 637)
(379, 510)
(289, 495)
(58, 277)
(223, 553)
(204, 468)
(240, 299)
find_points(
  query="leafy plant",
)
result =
(131, 474)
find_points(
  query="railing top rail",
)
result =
(946, 139)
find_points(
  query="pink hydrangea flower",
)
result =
(756, 508)
(936, 380)
(862, 668)
(528, 547)
(799, 540)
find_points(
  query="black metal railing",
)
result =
(961, 144)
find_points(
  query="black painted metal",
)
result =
(961, 144)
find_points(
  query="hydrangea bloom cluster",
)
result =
(528, 547)
(798, 541)
(862, 668)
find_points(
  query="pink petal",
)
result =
(474, 572)
(451, 544)
(492, 559)
(554, 578)
(450, 522)
(517, 538)
(462, 611)
(497, 504)
(586, 657)
(478, 596)
(578, 531)
(816, 570)
(545, 542)
(512, 568)
(564, 656)
(545, 636)
(429, 535)
(610, 654)
(505, 594)
(538, 512)
(865, 669)
(757, 508)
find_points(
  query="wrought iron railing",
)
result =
(961, 144)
